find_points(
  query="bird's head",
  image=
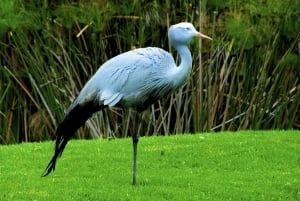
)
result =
(182, 33)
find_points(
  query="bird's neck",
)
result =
(184, 69)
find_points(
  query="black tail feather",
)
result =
(60, 145)
(73, 120)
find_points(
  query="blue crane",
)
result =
(134, 79)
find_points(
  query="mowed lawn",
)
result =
(247, 165)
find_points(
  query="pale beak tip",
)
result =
(201, 35)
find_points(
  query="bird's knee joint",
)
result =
(135, 139)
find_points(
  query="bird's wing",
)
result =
(141, 78)
(110, 98)
(130, 78)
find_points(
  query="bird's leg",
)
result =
(135, 140)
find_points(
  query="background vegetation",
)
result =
(247, 78)
(249, 165)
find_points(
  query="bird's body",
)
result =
(143, 71)
(134, 79)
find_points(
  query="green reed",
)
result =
(246, 78)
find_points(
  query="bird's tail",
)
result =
(73, 120)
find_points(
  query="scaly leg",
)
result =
(135, 140)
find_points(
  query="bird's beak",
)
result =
(201, 35)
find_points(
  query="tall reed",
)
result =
(238, 81)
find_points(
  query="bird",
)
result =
(134, 79)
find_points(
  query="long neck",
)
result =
(182, 72)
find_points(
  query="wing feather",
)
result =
(131, 78)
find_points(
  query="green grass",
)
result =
(248, 165)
